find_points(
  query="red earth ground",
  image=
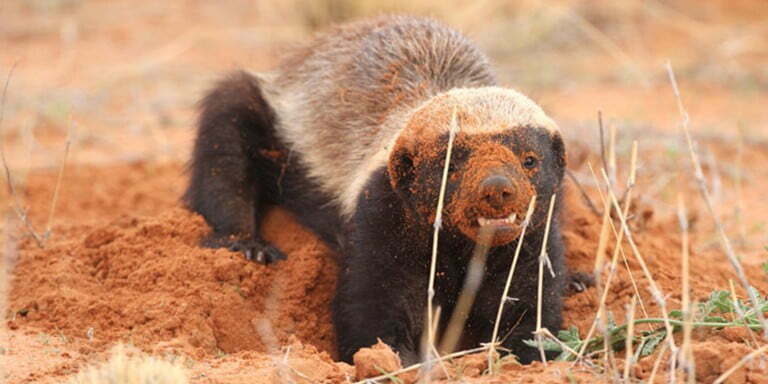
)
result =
(122, 263)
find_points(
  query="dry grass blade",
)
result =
(472, 283)
(655, 291)
(687, 358)
(508, 283)
(699, 175)
(628, 360)
(543, 258)
(599, 263)
(612, 163)
(5, 92)
(546, 333)
(741, 363)
(59, 179)
(438, 223)
(583, 192)
(740, 312)
(601, 128)
(607, 223)
(20, 212)
(657, 363)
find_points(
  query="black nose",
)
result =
(497, 190)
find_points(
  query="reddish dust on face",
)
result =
(487, 159)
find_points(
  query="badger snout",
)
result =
(497, 190)
(494, 194)
(496, 202)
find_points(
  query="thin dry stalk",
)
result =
(20, 212)
(546, 333)
(742, 239)
(427, 348)
(740, 313)
(5, 92)
(687, 361)
(704, 190)
(601, 317)
(655, 291)
(472, 283)
(601, 128)
(508, 283)
(285, 370)
(627, 200)
(618, 248)
(741, 363)
(599, 263)
(583, 192)
(628, 359)
(543, 258)
(612, 163)
(59, 179)
(657, 363)
(602, 243)
(428, 376)
(438, 223)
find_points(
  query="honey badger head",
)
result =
(506, 150)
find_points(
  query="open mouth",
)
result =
(508, 222)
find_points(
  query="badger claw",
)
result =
(253, 250)
(577, 282)
(257, 251)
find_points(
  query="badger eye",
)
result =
(530, 162)
(452, 167)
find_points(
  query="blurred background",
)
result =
(119, 80)
(123, 76)
(109, 88)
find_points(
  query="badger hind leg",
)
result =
(229, 185)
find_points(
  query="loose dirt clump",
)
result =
(376, 360)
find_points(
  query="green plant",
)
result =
(708, 314)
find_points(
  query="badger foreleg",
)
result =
(226, 183)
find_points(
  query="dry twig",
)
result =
(699, 175)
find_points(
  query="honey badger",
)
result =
(350, 133)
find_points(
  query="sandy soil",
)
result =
(123, 265)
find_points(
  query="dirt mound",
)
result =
(659, 242)
(144, 280)
(132, 271)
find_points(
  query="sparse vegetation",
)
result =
(710, 314)
(127, 76)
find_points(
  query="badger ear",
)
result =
(401, 169)
(558, 149)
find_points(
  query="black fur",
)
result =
(239, 166)
(382, 288)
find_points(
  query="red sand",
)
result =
(123, 264)
(133, 272)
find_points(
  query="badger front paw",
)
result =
(257, 250)
(577, 282)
